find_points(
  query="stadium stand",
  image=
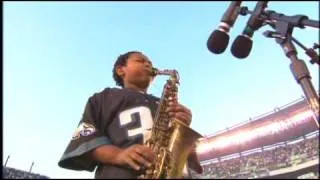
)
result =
(283, 143)
(282, 158)
(12, 173)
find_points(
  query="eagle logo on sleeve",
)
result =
(84, 129)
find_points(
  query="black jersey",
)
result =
(120, 117)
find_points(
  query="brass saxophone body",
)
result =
(170, 139)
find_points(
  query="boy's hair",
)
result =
(121, 61)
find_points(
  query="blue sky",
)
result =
(57, 54)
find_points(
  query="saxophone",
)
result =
(170, 139)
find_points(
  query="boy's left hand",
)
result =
(179, 112)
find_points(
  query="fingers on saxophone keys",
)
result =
(140, 159)
(147, 153)
(170, 103)
(185, 118)
(174, 108)
(133, 164)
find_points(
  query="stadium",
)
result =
(282, 143)
(13, 173)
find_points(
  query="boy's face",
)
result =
(137, 70)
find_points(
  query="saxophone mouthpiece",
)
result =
(154, 71)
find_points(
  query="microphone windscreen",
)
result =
(241, 47)
(218, 42)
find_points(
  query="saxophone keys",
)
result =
(149, 171)
(154, 172)
(170, 125)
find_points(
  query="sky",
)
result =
(57, 54)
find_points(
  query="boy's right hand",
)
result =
(136, 156)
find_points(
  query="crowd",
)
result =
(12, 173)
(254, 165)
(259, 164)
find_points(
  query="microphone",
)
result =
(242, 45)
(219, 39)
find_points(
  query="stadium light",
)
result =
(298, 118)
(203, 147)
(242, 137)
(248, 135)
(275, 127)
(223, 142)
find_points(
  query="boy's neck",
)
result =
(142, 90)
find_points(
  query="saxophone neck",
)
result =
(174, 75)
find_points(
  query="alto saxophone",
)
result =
(171, 139)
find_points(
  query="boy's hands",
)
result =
(136, 156)
(179, 112)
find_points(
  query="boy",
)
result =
(116, 122)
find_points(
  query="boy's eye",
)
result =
(143, 61)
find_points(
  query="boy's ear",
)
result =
(119, 70)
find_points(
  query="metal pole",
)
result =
(5, 164)
(31, 167)
(303, 78)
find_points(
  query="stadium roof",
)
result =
(287, 122)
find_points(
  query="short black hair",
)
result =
(121, 61)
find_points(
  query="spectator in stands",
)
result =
(12, 173)
(263, 162)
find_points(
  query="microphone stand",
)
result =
(309, 51)
(284, 27)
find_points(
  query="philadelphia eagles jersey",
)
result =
(120, 117)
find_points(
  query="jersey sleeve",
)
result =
(88, 136)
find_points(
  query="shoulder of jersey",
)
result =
(115, 92)
(110, 92)
(157, 99)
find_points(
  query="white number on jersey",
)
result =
(145, 118)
